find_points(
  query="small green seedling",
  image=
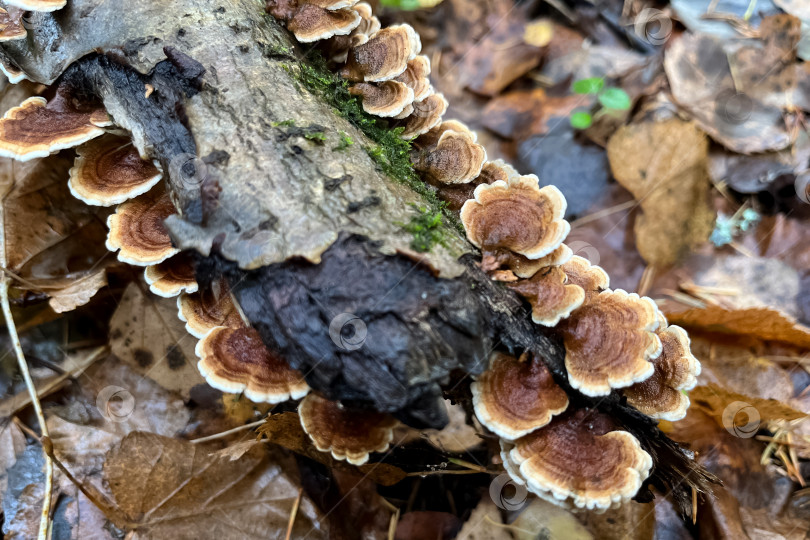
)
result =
(345, 141)
(610, 98)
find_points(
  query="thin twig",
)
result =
(44, 522)
(293, 514)
(29, 383)
(229, 432)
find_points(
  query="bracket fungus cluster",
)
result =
(38, 127)
(579, 460)
(11, 24)
(578, 457)
(37, 5)
(348, 434)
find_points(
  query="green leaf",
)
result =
(581, 120)
(588, 86)
(615, 98)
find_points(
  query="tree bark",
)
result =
(303, 231)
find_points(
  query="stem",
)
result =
(43, 428)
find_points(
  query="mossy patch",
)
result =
(391, 153)
(425, 227)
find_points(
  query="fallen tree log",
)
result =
(303, 213)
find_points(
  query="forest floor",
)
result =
(678, 134)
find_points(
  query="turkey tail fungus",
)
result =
(301, 267)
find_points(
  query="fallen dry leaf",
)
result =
(457, 436)
(664, 165)
(146, 334)
(78, 291)
(703, 83)
(545, 520)
(502, 56)
(758, 322)
(538, 33)
(715, 400)
(485, 523)
(12, 444)
(173, 489)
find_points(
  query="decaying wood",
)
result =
(265, 204)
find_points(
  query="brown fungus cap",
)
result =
(384, 56)
(593, 279)
(312, 23)
(331, 4)
(37, 5)
(455, 159)
(580, 460)
(386, 99)
(38, 128)
(406, 112)
(676, 369)
(522, 267)
(516, 396)
(137, 230)
(11, 24)
(551, 298)
(493, 171)
(417, 77)
(610, 342)
(209, 308)
(455, 195)
(337, 47)
(517, 215)
(173, 276)
(13, 73)
(348, 434)
(109, 171)
(426, 115)
(236, 360)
